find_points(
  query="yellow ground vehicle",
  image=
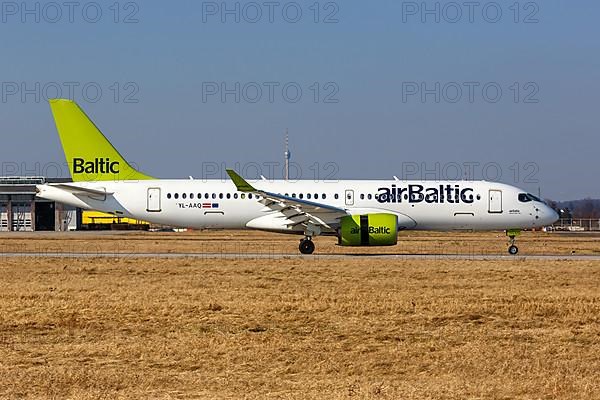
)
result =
(98, 221)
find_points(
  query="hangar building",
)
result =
(21, 211)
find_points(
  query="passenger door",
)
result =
(153, 200)
(495, 201)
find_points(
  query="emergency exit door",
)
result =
(349, 197)
(153, 200)
(495, 201)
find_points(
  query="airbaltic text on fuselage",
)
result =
(419, 193)
(97, 166)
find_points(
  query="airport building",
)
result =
(21, 211)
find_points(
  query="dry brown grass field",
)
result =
(297, 328)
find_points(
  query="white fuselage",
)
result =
(424, 205)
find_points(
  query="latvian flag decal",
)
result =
(210, 205)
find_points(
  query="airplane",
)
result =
(357, 212)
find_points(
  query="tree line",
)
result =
(585, 208)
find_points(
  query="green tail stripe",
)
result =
(90, 156)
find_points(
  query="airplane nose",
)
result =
(551, 216)
(555, 216)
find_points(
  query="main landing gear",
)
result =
(512, 238)
(307, 246)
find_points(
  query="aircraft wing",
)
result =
(297, 211)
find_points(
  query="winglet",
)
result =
(240, 182)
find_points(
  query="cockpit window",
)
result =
(526, 197)
(523, 198)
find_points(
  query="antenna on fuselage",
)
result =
(287, 155)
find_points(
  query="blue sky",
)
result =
(357, 67)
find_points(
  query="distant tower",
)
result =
(287, 155)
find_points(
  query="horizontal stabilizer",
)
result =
(80, 190)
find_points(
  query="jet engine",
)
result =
(369, 230)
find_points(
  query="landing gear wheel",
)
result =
(512, 238)
(306, 246)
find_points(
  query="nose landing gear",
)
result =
(306, 246)
(512, 238)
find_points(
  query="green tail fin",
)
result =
(89, 154)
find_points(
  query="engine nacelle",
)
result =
(369, 230)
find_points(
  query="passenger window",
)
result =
(176, 196)
(228, 195)
(317, 196)
(294, 195)
(206, 195)
(370, 196)
(168, 195)
(362, 196)
(235, 195)
(250, 196)
(221, 195)
(183, 196)
(192, 196)
(324, 196)
(336, 196)
(308, 196)
(301, 196)
(243, 196)
(214, 195)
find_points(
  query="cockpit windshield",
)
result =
(527, 197)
